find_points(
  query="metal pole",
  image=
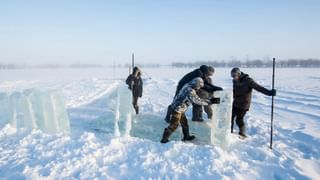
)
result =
(132, 61)
(273, 71)
(114, 70)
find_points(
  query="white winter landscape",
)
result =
(88, 144)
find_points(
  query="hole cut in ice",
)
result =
(150, 126)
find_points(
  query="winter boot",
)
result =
(242, 131)
(165, 136)
(186, 135)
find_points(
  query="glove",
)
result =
(219, 89)
(215, 100)
(273, 92)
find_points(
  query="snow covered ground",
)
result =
(92, 151)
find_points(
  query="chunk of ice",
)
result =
(123, 112)
(36, 109)
(220, 124)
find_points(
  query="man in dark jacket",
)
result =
(242, 93)
(135, 84)
(204, 72)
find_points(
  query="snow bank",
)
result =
(35, 109)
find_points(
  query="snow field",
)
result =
(91, 150)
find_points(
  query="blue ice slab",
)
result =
(221, 121)
(123, 111)
(35, 109)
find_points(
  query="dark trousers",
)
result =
(176, 119)
(197, 111)
(238, 115)
(208, 110)
(135, 103)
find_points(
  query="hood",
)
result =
(243, 76)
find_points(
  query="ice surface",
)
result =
(214, 131)
(151, 126)
(35, 109)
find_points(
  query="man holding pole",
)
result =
(242, 93)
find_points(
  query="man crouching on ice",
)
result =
(186, 96)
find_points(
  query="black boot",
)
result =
(165, 136)
(242, 131)
(186, 135)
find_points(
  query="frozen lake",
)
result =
(91, 149)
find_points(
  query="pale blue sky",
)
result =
(101, 31)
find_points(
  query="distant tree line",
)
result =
(143, 65)
(13, 66)
(290, 63)
(77, 65)
(46, 66)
